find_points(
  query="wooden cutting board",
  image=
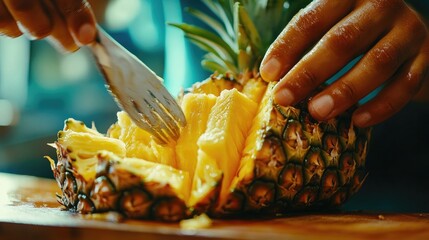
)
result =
(28, 210)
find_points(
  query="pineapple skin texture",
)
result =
(292, 162)
(289, 162)
(115, 186)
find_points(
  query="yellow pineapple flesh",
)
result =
(239, 153)
(197, 109)
(234, 156)
(226, 132)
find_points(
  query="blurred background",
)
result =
(40, 88)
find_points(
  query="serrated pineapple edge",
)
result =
(240, 154)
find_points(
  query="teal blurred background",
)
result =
(40, 88)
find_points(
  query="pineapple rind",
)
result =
(285, 168)
(95, 175)
(289, 161)
(275, 171)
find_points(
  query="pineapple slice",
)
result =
(224, 139)
(82, 145)
(198, 222)
(154, 173)
(196, 108)
(239, 153)
(139, 143)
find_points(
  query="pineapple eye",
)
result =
(170, 210)
(291, 178)
(262, 194)
(240, 152)
(135, 203)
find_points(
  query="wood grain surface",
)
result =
(28, 210)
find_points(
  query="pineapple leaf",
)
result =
(210, 47)
(241, 32)
(213, 54)
(213, 66)
(218, 10)
(250, 29)
(214, 24)
(227, 6)
(210, 38)
(215, 58)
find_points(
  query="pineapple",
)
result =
(240, 152)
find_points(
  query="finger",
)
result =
(376, 66)
(352, 36)
(8, 25)
(300, 34)
(79, 18)
(32, 17)
(60, 37)
(395, 96)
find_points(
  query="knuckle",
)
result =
(388, 107)
(281, 46)
(307, 79)
(343, 38)
(308, 21)
(386, 56)
(347, 90)
(73, 7)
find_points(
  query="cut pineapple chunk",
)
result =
(139, 143)
(198, 222)
(196, 108)
(150, 172)
(224, 139)
(82, 145)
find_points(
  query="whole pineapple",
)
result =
(239, 153)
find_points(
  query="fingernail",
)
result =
(362, 119)
(322, 106)
(86, 34)
(284, 97)
(59, 47)
(25, 31)
(270, 71)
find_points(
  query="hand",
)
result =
(66, 23)
(327, 35)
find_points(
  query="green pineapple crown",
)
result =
(241, 32)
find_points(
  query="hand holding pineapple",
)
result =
(67, 23)
(239, 154)
(392, 38)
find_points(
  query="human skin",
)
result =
(318, 42)
(324, 37)
(67, 24)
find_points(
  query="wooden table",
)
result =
(28, 210)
